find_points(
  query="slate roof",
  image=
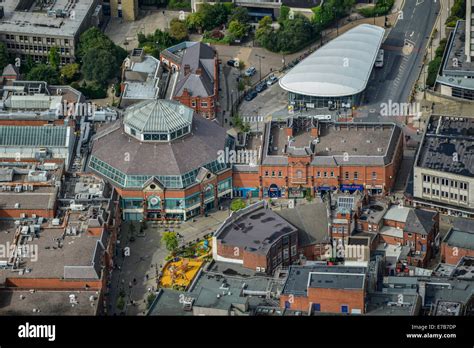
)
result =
(197, 56)
(420, 221)
(311, 221)
(154, 158)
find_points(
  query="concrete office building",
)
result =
(444, 166)
(126, 9)
(31, 28)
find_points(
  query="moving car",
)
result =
(251, 95)
(272, 80)
(250, 71)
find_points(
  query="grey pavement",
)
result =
(147, 256)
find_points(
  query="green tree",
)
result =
(70, 72)
(100, 65)
(53, 57)
(195, 21)
(154, 43)
(214, 15)
(237, 204)
(237, 29)
(4, 57)
(284, 12)
(240, 14)
(43, 72)
(170, 239)
(178, 30)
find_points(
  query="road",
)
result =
(404, 50)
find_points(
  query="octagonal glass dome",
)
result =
(158, 120)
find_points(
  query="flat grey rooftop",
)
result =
(36, 20)
(21, 302)
(336, 281)
(167, 303)
(447, 138)
(254, 228)
(297, 280)
(388, 304)
(456, 56)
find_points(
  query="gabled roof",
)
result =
(197, 56)
(420, 221)
(10, 69)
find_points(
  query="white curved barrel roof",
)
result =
(340, 68)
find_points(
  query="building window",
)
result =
(332, 174)
(318, 174)
(204, 104)
(299, 174)
(356, 175)
(266, 173)
(280, 173)
(193, 103)
(325, 174)
(346, 175)
(273, 173)
(374, 175)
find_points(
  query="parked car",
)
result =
(250, 71)
(233, 63)
(261, 87)
(272, 80)
(251, 95)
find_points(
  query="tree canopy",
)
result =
(43, 72)
(101, 59)
(178, 30)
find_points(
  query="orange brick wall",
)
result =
(330, 300)
(452, 255)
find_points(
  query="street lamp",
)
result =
(260, 64)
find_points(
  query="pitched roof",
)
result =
(158, 116)
(10, 69)
(197, 56)
(311, 221)
(420, 221)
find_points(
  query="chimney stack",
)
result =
(187, 69)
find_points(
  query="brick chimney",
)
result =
(187, 69)
(314, 132)
(289, 131)
(198, 71)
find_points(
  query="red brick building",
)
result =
(257, 238)
(458, 242)
(197, 82)
(415, 228)
(303, 156)
(325, 289)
